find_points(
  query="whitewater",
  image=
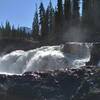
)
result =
(45, 58)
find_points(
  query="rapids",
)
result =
(45, 58)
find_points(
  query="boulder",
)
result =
(95, 55)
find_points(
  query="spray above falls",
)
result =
(45, 58)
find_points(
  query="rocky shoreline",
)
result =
(71, 84)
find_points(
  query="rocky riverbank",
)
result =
(71, 84)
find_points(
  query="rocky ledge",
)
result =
(71, 84)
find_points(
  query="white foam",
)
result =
(42, 59)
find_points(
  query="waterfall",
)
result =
(46, 58)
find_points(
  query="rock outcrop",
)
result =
(71, 84)
(95, 54)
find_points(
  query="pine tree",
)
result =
(2, 30)
(13, 31)
(60, 9)
(47, 20)
(59, 21)
(42, 21)
(67, 9)
(59, 14)
(76, 14)
(50, 21)
(87, 13)
(35, 26)
(23, 33)
(8, 29)
(85, 10)
(88, 19)
(51, 17)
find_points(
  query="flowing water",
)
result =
(45, 58)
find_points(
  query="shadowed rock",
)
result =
(72, 84)
(95, 54)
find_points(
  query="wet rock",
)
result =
(71, 84)
(95, 54)
(73, 48)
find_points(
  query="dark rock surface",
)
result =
(72, 84)
(81, 47)
(95, 54)
(9, 45)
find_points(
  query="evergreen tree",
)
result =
(28, 36)
(50, 21)
(23, 33)
(50, 17)
(59, 14)
(60, 10)
(59, 21)
(35, 26)
(8, 29)
(87, 12)
(42, 21)
(67, 9)
(76, 14)
(13, 31)
(47, 16)
(88, 19)
(18, 33)
(2, 30)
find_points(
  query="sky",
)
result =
(19, 12)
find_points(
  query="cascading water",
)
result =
(45, 58)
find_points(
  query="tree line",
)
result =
(8, 31)
(50, 24)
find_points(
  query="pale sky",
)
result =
(19, 12)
